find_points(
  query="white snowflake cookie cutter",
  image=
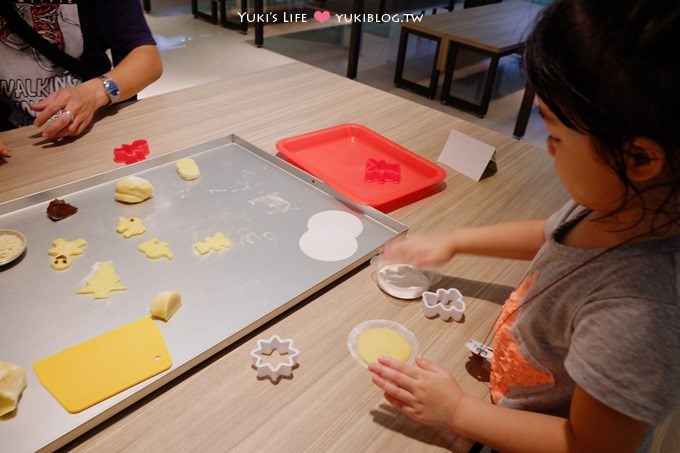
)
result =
(446, 303)
(266, 348)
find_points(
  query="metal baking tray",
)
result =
(259, 201)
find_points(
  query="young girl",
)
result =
(586, 349)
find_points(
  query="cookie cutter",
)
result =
(446, 303)
(381, 172)
(265, 348)
(131, 153)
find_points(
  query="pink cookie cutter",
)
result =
(131, 153)
(381, 172)
(266, 348)
(446, 303)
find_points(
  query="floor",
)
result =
(195, 51)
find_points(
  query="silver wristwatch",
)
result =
(111, 88)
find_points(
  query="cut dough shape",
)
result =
(382, 341)
(133, 189)
(188, 169)
(12, 383)
(154, 249)
(103, 281)
(217, 242)
(129, 227)
(62, 250)
(165, 304)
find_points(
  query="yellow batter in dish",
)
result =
(382, 341)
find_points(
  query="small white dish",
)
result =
(402, 281)
(446, 303)
(266, 348)
(375, 324)
(15, 242)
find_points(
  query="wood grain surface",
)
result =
(329, 404)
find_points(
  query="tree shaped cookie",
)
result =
(103, 282)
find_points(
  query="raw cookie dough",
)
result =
(59, 209)
(12, 383)
(103, 282)
(62, 251)
(165, 304)
(133, 189)
(154, 248)
(217, 242)
(382, 341)
(130, 227)
(188, 169)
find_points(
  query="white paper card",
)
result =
(466, 155)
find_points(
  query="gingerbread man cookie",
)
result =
(62, 251)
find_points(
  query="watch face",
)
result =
(111, 88)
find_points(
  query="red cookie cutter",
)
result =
(131, 153)
(381, 172)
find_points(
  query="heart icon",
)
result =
(322, 17)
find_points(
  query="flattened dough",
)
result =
(382, 341)
(129, 227)
(103, 282)
(216, 243)
(62, 250)
(154, 249)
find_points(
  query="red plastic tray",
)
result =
(363, 165)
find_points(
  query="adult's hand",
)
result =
(5, 150)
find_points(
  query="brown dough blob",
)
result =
(59, 209)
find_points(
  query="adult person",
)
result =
(56, 56)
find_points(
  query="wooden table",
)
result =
(492, 30)
(329, 404)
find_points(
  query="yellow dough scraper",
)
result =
(90, 372)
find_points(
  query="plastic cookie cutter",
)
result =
(381, 172)
(131, 153)
(445, 303)
(478, 348)
(402, 281)
(266, 348)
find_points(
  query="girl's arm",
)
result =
(515, 240)
(430, 394)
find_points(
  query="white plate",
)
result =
(8, 259)
(377, 323)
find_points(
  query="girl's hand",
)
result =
(425, 391)
(420, 251)
(67, 112)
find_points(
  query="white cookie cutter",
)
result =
(445, 303)
(402, 281)
(265, 348)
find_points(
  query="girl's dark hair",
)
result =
(609, 69)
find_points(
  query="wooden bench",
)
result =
(494, 30)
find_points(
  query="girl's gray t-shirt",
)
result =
(612, 326)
